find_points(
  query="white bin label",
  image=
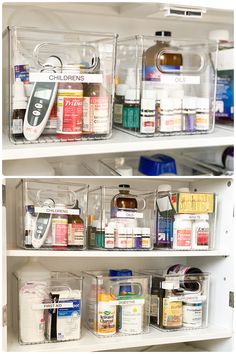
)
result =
(47, 306)
(48, 210)
(129, 214)
(180, 79)
(65, 77)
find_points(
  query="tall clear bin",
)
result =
(51, 215)
(165, 85)
(49, 305)
(179, 298)
(61, 85)
(185, 220)
(116, 302)
(121, 218)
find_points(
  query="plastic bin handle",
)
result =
(126, 284)
(126, 196)
(40, 200)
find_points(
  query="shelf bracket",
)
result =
(231, 299)
(4, 315)
(3, 195)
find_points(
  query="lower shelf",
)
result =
(89, 342)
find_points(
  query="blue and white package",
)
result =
(64, 316)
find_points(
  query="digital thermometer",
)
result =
(43, 223)
(41, 102)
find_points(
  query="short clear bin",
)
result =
(51, 215)
(121, 218)
(116, 302)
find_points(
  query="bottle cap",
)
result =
(166, 103)
(132, 95)
(120, 272)
(121, 89)
(189, 102)
(151, 94)
(161, 93)
(202, 102)
(148, 104)
(129, 230)
(219, 35)
(145, 230)
(177, 103)
(157, 165)
(124, 186)
(19, 98)
(109, 229)
(163, 33)
(164, 188)
(121, 230)
(137, 230)
(178, 93)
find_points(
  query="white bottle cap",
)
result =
(183, 189)
(202, 102)
(137, 230)
(129, 230)
(109, 229)
(166, 103)
(121, 230)
(177, 103)
(151, 94)
(189, 102)
(178, 94)
(145, 230)
(121, 89)
(148, 104)
(219, 35)
(19, 98)
(125, 170)
(164, 188)
(160, 94)
(132, 95)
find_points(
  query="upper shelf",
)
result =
(120, 142)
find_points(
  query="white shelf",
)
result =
(120, 142)
(89, 342)
(114, 254)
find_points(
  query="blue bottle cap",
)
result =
(157, 165)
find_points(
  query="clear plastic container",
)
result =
(68, 85)
(179, 298)
(116, 302)
(51, 215)
(186, 220)
(120, 218)
(49, 308)
(167, 76)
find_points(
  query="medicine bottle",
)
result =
(96, 119)
(172, 316)
(165, 217)
(131, 110)
(146, 238)
(76, 232)
(59, 228)
(189, 114)
(168, 61)
(119, 103)
(201, 232)
(182, 232)
(192, 313)
(69, 109)
(166, 115)
(160, 94)
(148, 116)
(177, 113)
(202, 121)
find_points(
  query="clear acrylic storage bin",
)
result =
(51, 215)
(120, 218)
(116, 302)
(185, 220)
(61, 85)
(49, 308)
(179, 298)
(165, 85)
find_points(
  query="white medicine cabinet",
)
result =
(217, 262)
(125, 19)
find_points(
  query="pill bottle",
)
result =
(59, 228)
(201, 232)
(192, 313)
(182, 232)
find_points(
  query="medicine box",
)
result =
(186, 221)
(116, 302)
(49, 309)
(51, 215)
(61, 84)
(179, 298)
(121, 218)
(165, 85)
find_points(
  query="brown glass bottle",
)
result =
(76, 234)
(124, 200)
(166, 62)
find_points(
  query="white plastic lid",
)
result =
(121, 89)
(161, 93)
(178, 94)
(151, 94)
(129, 230)
(121, 230)
(146, 230)
(164, 188)
(219, 35)
(19, 98)
(137, 230)
(98, 224)
(202, 102)
(177, 103)
(109, 229)
(33, 271)
(132, 95)
(166, 103)
(125, 171)
(183, 189)
(148, 104)
(189, 102)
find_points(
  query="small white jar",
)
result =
(182, 232)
